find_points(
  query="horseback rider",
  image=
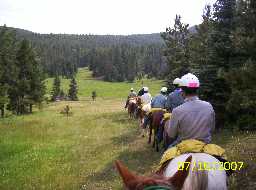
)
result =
(159, 101)
(132, 94)
(194, 119)
(175, 98)
(94, 95)
(141, 92)
(146, 97)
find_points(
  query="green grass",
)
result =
(47, 150)
(86, 84)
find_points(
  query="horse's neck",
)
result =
(199, 180)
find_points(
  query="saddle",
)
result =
(192, 146)
(154, 110)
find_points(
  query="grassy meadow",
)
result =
(48, 150)
(87, 84)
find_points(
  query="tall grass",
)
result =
(47, 150)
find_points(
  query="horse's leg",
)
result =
(154, 137)
(157, 141)
(164, 140)
(128, 110)
(150, 133)
(133, 111)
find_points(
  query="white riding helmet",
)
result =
(145, 89)
(189, 80)
(131, 89)
(176, 81)
(163, 89)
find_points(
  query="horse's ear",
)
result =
(128, 177)
(179, 177)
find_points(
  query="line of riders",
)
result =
(180, 119)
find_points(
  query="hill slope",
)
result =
(62, 54)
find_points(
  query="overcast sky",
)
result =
(99, 16)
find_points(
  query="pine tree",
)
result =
(223, 25)
(19, 91)
(199, 44)
(37, 86)
(73, 89)
(56, 88)
(177, 49)
(241, 77)
(8, 69)
(214, 87)
(28, 88)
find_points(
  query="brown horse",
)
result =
(155, 124)
(132, 106)
(140, 113)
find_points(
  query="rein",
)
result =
(156, 188)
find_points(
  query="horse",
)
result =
(166, 140)
(156, 118)
(174, 177)
(140, 113)
(131, 107)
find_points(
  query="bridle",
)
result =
(156, 187)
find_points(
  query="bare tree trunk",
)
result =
(30, 108)
(2, 111)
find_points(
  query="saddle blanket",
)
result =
(146, 107)
(153, 110)
(192, 146)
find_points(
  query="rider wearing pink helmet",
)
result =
(194, 119)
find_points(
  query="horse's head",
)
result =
(135, 182)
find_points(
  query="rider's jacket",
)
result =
(146, 98)
(195, 119)
(159, 101)
(174, 99)
(141, 92)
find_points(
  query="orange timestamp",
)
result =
(209, 166)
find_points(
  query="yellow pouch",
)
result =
(167, 116)
(214, 149)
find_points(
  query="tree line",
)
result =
(222, 52)
(110, 57)
(125, 63)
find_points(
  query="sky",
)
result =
(99, 16)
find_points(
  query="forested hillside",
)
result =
(112, 57)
